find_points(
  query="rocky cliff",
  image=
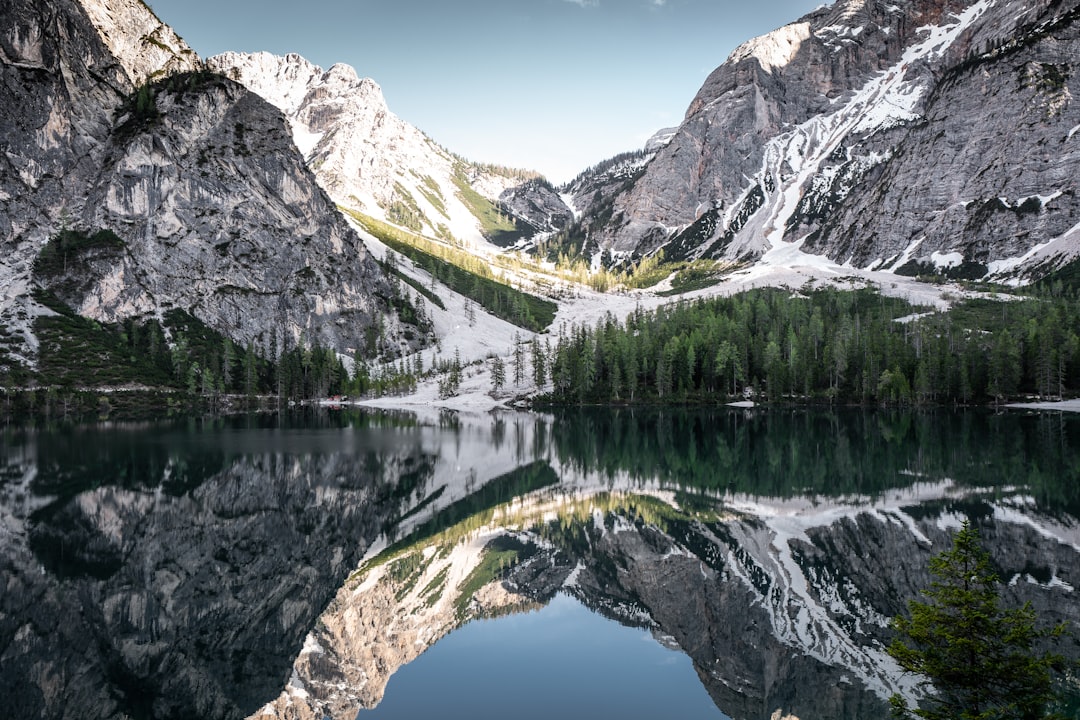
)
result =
(940, 131)
(109, 122)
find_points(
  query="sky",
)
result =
(554, 86)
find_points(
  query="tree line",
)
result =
(823, 345)
(180, 353)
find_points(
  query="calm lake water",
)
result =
(632, 564)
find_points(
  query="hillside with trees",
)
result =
(824, 345)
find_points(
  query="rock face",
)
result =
(213, 194)
(367, 158)
(197, 177)
(936, 130)
(537, 204)
(145, 47)
(1000, 126)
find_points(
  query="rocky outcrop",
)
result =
(999, 126)
(108, 122)
(212, 190)
(58, 87)
(146, 48)
(594, 192)
(824, 127)
(538, 205)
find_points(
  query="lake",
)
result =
(738, 563)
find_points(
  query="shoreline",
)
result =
(1059, 405)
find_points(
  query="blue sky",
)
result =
(549, 85)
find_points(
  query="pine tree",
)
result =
(519, 360)
(250, 370)
(498, 373)
(980, 659)
(539, 364)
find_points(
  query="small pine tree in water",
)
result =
(982, 661)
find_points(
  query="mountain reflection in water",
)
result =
(289, 567)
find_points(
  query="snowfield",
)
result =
(484, 336)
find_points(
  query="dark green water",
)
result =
(343, 560)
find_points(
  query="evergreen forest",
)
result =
(824, 345)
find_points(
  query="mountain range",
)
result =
(903, 138)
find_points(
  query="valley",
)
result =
(305, 415)
(219, 178)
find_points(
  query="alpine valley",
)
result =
(866, 224)
(154, 204)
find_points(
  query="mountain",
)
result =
(892, 135)
(370, 160)
(139, 182)
(157, 186)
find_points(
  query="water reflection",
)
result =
(174, 570)
(590, 664)
(205, 569)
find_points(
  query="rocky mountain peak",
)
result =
(366, 157)
(281, 80)
(816, 133)
(774, 50)
(196, 180)
(345, 74)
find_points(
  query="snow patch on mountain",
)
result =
(1015, 271)
(801, 154)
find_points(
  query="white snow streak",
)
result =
(887, 99)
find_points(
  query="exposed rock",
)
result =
(593, 193)
(826, 126)
(537, 204)
(996, 127)
(145, 47)
(197, 177)
(223, 219)
(367, 158)
(58, 87)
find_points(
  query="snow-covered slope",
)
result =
(366, 157)
(879, 133)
